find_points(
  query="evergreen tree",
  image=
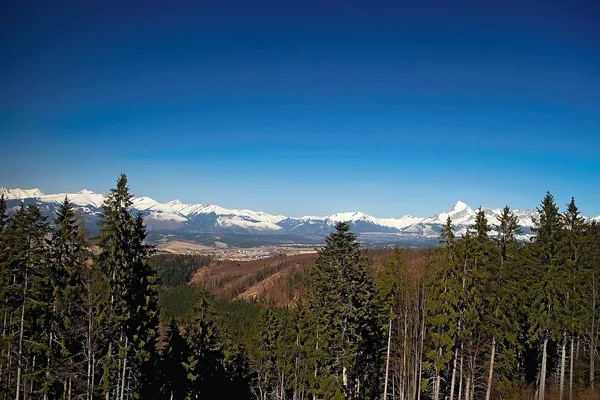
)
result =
(3, 215)
(573, 233)
(27, 306)
(348, 336)
(503, 321)
(548, 288)
(130, 327)
(172, 364)
(266, 357)
(205, 360)
(442, 306)
(68, 321)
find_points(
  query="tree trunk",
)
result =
(454, 373)
(404, 382)
(387, 361)
(593, 334)
(472, 395)
(571, 359)
(491, 374)
(436, 389)
(468, 388)
(460, 380)
(562, 366)
(421, 350)
(124, 370)
(542, 392)
(20, 349)
(89, 356)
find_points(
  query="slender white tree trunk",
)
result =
(387, 361)
(124, 369)
(571, 368)
(542, 389)
(421, 349)
(454, 373)
(593, 334)
(491, 374)
(472, 396)
(89, 356)
(562, 366)
(436, 389)
(20, 349)
(460, 380)
(404, 382)
(468, 388)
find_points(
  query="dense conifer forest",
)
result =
(482, 316)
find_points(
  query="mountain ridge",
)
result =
(178, 216)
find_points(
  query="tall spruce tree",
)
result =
(503, 321)
(26, 301)
(205, 361)
(548, 288)
(348, 335)
(67, 257)
(5, 310)
(574, 229)
(266, 358)
(3, 215)
(130, 326)
(443, 288)
(173, 373)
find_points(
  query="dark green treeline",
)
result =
(484, 316)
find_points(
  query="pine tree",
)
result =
(26, 303)
(205, 360)
(68, 321)
(130, 326)
(574, 227)
(503, 321)
(5, 309)
(172, 364)
(265, 368)
(3, 215)
(548, 288)
(348, 334)
(590, 322)
(145, 313)
(303, 352)
(442, 306)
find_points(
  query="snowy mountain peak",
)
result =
(176, 215)
(460, 206)
(12, 194)
(348, 216)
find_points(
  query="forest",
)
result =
(481, 316)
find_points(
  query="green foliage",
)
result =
(177, 269)
(81, 326)
(178, 303)
(345, 317)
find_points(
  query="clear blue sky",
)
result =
(302, 107)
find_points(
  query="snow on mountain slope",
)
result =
(402, 222)
(12, 194)
(229, 218)
(83, 198)
(203, 217)
(460, 214)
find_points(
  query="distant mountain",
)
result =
(176, 216)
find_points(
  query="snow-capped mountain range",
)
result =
(177, 216)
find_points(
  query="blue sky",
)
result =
(305, 107)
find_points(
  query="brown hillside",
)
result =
(279, 278)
